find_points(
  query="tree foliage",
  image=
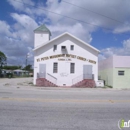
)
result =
(28, 67)
(3, 59)
(12, 67)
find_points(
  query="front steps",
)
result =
(86, 83)
(42, 82)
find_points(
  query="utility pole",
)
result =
(27, 60)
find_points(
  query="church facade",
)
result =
(64, 60)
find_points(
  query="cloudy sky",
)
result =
(105, 24)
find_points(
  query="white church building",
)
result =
(63, 61)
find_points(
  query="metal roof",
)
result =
(42, 28)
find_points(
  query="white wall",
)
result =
(40, 38)
(64, 66)
(114, 62)
(121, 61)
(106, 64)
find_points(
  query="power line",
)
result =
(92, 11)
(63, 15)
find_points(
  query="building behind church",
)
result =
(115, 71)
(63, 61)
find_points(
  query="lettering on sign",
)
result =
(64, 59)
(44, 58)
(91, 61)
(38, 60)
(61, 57)
(57, 56)
(81, 58)
(69, 55)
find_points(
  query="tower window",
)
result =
(63, 48)
(55, 67)
(55, 47)
(72, 67)
(72, 47)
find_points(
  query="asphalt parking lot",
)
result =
(26, 107)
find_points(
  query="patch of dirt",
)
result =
(7, 84)
(16, 82)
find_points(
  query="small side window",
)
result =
(55, 47)
(55, 67)
(72, 68)
(121, 73)
(72, 47)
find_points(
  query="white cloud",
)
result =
(4, 28)
(76, 29)
(111, 9)
(126, 44)
(25, 23)
(13, 48)
(124, 51)
(17, 40)
(106, 8)
(28, 6)
(122, 29)
(19, 4)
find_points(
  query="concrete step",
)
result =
(86, 83)
(44, 83)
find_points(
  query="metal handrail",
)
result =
(81, 77)
(52, 76)
(48, 76)
(77, 79)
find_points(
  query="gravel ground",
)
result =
(16, 82)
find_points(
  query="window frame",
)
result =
(55, 47)
(63, 47)
(71, 47)
(121, 72)
(55, 67)
(72, 68)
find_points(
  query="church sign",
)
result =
(62, 57)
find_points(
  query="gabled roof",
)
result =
(66, 33)
(42, 28)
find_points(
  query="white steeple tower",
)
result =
(41, 35)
